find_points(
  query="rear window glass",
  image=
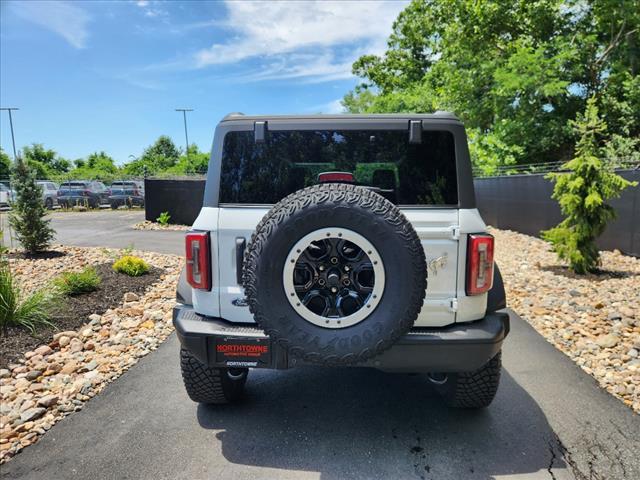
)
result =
(74, 185)
(403, 172)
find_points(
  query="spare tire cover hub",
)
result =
(334, 277)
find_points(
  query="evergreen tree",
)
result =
(582, 194)
(28, 211)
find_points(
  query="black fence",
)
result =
(517, 202)
(182, 198)
(523, 203)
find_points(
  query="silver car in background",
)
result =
(5, 195)
(49, 193)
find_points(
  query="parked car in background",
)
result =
(49, 193)
(130, 193)
(82, 192)
(6, 195)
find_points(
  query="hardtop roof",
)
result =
(436, 116)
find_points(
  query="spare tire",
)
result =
(335, 273)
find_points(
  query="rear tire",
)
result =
(211, 385)
(473, 389)
(114, 206)
(48, 203)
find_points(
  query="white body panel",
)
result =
(442, 233)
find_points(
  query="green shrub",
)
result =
(75, 283)
(582, 194)
(130, 265)
(28, 211)
(30, 312)
(164, 218)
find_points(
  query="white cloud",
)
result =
(332, 107)
(151, 9)
(295, 39)
(64, 18)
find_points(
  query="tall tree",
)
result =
(160, 156)
(45, 161)
(515, 72)
(98, 166)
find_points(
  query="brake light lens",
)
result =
(479, 263)
(198, 260)
(340, 177)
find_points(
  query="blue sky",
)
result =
(90, 75)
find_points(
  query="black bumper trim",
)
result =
(456, 348)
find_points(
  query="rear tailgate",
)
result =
(437, 229)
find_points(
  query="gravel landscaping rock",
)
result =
(75, 310)
(594, 319)
(70, 367)
(147, 225)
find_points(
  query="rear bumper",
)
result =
(460, 347)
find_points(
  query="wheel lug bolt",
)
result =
(347, 268)
(321, 268)
(346, 282)
(334, 260)
(321, 282)
(334, 289)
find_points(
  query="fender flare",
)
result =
(496, 299)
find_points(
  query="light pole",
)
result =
(184, 116)
(13, 140)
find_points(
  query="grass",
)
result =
(30, 312)
(130, 265)
(76, 283)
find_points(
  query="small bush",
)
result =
(27, 216)
(30, 312)
(164, 218)
(75, 283)
(582, 194)
(132, 266)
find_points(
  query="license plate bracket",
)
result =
(242, 352)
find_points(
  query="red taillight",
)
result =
(198, 264)
(340, 177)
(479, 263)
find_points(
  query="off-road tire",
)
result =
(473, 389)
(338, 206)
(210, 385)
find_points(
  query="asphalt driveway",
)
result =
(549, 420)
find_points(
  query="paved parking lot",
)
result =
(549, 419)
(108, 228)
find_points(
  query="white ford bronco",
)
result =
(350, 240)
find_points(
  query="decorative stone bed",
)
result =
(71, 366)
(593, 319)
(147, 225)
